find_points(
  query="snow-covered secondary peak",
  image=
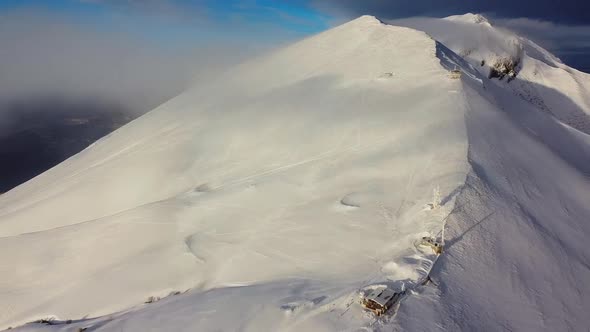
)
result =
(281, 189)
(502, 56)
(469, 18)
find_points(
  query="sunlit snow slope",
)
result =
(290, 183)
(306, 168)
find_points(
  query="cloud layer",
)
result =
(43, 54)
(47, 54)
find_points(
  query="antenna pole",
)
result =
(443, 232)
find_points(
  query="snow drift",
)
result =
(298, 179)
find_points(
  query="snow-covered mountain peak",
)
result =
(359, 52)
(283, 168)
(469, 18)
(364, 48)
(365, 20)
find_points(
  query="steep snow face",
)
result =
(541, 78)
(290, 182)
(516, 257)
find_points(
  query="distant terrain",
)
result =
(38, 134)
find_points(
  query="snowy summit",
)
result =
(295, 185)
(469, 18)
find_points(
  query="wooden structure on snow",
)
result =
(380, 300)
(436, 246)
(455, 74)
